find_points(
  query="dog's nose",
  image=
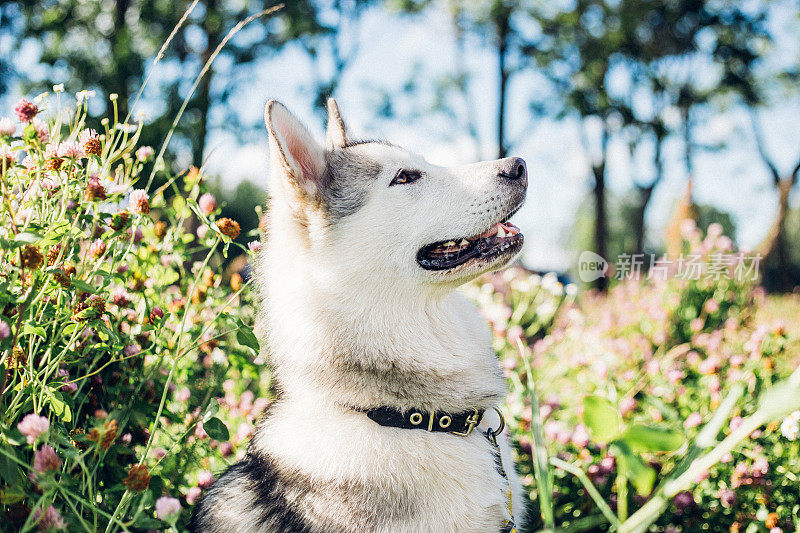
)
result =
(513, 169)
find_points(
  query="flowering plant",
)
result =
(110, 297)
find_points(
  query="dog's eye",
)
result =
(405, 176)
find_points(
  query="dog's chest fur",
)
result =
(315, 464)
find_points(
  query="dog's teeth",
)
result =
(501, 232)
(450, 243)
(464, 242)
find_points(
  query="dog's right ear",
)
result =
(336, 136)
(300, 156)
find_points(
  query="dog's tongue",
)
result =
(507, 229)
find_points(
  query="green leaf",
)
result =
(216, 429)
(59, 405)
(30, 329)
(246, 337)
(652, 438)
(642, 476)
(211, 410)
(28, 237)
(9, 471)
(600, 416)
(156, 487)
(82, 285)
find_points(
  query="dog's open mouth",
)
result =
(501, 239)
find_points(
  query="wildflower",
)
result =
(26, 110)
(790, 427)
(97, 249)
(131, 350)
(53, 253)
(236, 281)
(31, 257)
(772, 520)
(168, 508)
(5, 330)
(202, 231)
(119, 220)
(156, 314)
(63, 277)
(7, 127)
(70, 150)
(120, 297)
(138, 478)
(683, 500)
(207, 203)
(140, 202)
(49, 520)
(183, 394)
(254, 246)
(693, 420)
(104, 436)
(144, 153)
(727, 498)
(53, 163)
(137, 235)
(229, 228)
(42, 131)
(192, 494)
(32, 426)
(205, 479)
(46, 459)
(90, 142)
(70, 387)
(97, 303)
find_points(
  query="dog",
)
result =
(386, 382)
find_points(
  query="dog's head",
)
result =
(373, 211)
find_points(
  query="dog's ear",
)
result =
(337, 132)
(302, 158)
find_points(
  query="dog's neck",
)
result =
(382, 346)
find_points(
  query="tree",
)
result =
(109, 46)
(607, 58)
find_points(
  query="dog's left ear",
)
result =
(336, 136)
(302, 158)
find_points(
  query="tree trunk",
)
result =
(502, 52)
(639, 228)
(601, 220)
(774, 246)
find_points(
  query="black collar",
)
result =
(456, 423)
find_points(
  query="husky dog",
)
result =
(366, 245)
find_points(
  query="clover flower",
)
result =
(5, 330)
(70, 150)
(42, 130)
(31, 257)
(156, 314)
(205, 479)
(63, 277)
(140, 202)
(138, 478)
(119, 220)
(7, 127)
(120, 297)
(193, 494)
(254, 246)
(49, 520)
(105, 435)
(168, 508)
(207, 203)
(97, 248)
(90, 142)
(26, 110)
(33, 426)
(229, 228)
(46, 459)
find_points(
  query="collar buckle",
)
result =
(472, 420)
